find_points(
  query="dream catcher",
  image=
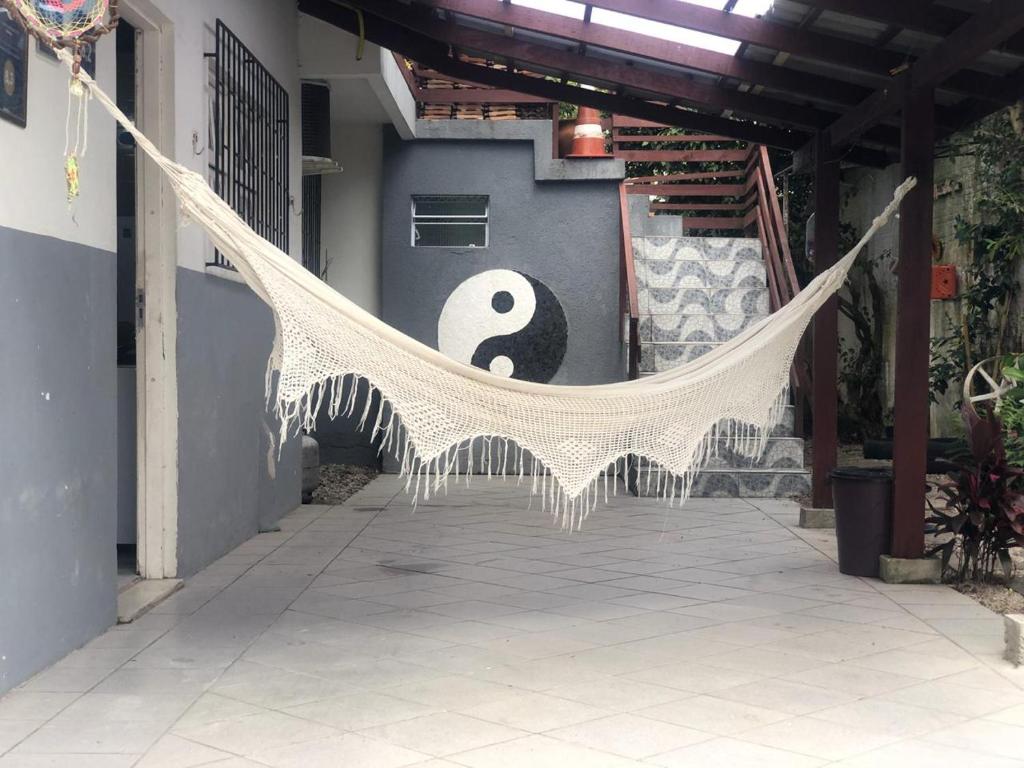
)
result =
(66, 26)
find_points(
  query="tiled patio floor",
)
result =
(474, 633)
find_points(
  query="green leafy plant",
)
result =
(994, 233)
(862, 301)
(1011, 410)
(980, 512)
(946, 367)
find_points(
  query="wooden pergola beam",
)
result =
(435, 54)
(969, 113)
(918, 15)
(825, 89)
(980, 33)
(797, 41)
(602, 71)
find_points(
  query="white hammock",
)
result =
(431, 406)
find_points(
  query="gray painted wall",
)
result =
(58, 454)
(127, 460)
(564, 233)
(341, 441)
(226, 491)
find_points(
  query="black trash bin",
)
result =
(863, 503)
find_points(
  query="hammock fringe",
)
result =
(424, 475)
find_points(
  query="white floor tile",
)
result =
(443, 733)
(921, 753)
(356, 711)
(254, 733)
(730, 753)
(785, 696)
(540, 752)
(817, 738)
(715, 715)
(631, 736)
(619, 694)
(349, 749)
(535, 712)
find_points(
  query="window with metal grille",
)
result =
(450, 221)
(249, 140)
(312, 186)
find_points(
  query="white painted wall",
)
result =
(329, 53)
(269, 29)
(351, 214)
(32, 189)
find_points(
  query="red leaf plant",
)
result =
(979, 516)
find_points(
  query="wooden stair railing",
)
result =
(629, 297)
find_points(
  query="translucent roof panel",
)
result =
(668, 32)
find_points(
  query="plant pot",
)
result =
(863, 506)
(939, 450)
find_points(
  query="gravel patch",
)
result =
(340, 481)
(995, 597)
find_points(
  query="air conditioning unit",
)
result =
(316, 130)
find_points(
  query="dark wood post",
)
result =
(913, 326)
(825, 365)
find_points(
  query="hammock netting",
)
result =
(433, 411)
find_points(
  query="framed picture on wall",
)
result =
(13, 70)
(88, 55)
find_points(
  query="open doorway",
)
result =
(128, 305)
(147, 522)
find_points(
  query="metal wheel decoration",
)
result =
(981, 387)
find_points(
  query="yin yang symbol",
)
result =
(506, 322)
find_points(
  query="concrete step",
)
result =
(745, 483)
(703, 301)
(697, 248)
(705, 328)
(780, 453)
(723, 273)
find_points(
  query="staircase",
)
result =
(694, 292)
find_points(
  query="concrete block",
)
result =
(924, 570)
(664, 226)
(1014, 636)
(310, 468)
(816, 517)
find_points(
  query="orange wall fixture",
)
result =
(943, 281)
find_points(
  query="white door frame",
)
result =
(156, 267)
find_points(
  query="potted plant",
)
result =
(981, 509)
